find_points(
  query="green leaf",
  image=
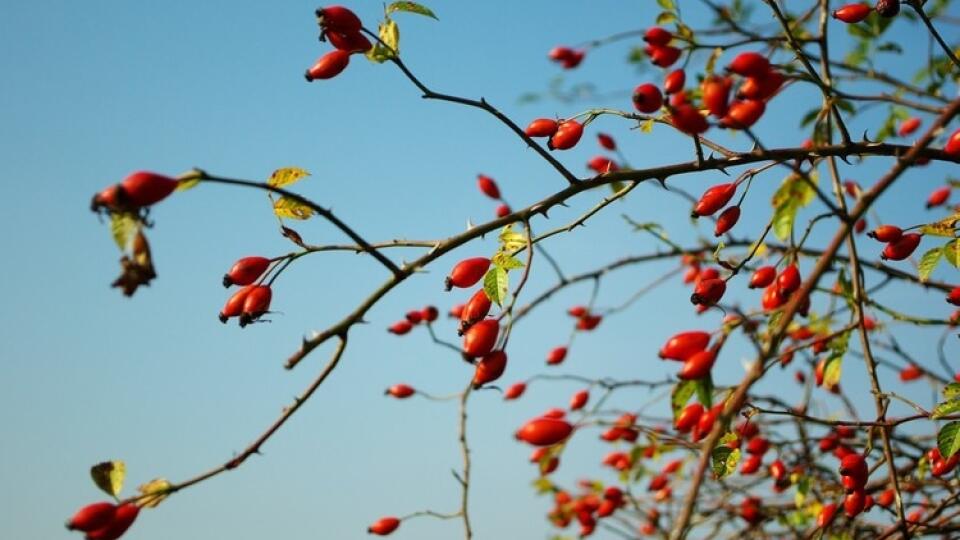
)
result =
(496, 284)
(792, 195)
(946, 408)
(286, 176)
(667, 5)
(704, 389)
(389, 34)
(511, 240)
(542, 485)
(109, 476)
(951, 391)
(724, 460)
(803, 487)
(122, 227)
(948, 440)
(411, 7)
(506, 262)
(680, 395)
(928, 262)
(951, 252)
(665, 18)
(285, 207)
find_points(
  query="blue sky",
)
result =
(95, 91)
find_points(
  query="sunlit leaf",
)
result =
(944, 227)
(505, 261)
(951, 391)
(389, 34)
(832, 372)
(792, 195)
(712, 61)
(511, 240)
(285, 207)
(647, 125)
(122, 227)
(286, 176)
(945, 409)
(724, 460)
(154, 492)
(496, 284)
(928, 262)
(951, 252)
(189, 180)
(948, 440)
(667, 5)
(680, 395)
(109, 476)
(665, 18)
(411, 7)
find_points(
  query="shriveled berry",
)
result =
(887, 8)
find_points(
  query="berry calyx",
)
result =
(338, 19)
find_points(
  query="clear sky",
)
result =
(93, 91)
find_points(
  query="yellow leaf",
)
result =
(390, 35)
(189, 180)
(712, 61)
(286, 176)
(108, 476)
(511, 240)
(154, 492)
(647, 125)
(285, 207)
(122, 227)
(944, 227)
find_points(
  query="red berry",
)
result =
(567, 135)
(414, 317)
(588, 322)
(467, 273)
(674, 81)
(952, 147)
(338, 19)
(728, 218)
(852, 13)
(751, 464)
(480, 338)
(762, 277)
(92, 516)
(750, 510)
(708, 292)
(256, 304)
(124, 517)
(657, 36)
(854, 502)
(502, 210)
(886, 498)
(789, 280)
(246, 271)
(684, 345)
(886, 233)
(938, 197)
(429, 314)
(606, 141)
(400, 327)
(475, 310)
(489, 368)
(664, 56)
(555, 412)
(400, 391)
(826, 515)
(328, 66)
(762, 87)
(145, 188)
(556, 355)
(758, 446)
(577, 311)
(514, 391)
(750, 64)
(384, 526)
(716, 94)
(778, 470)
(544, 431)
(579, 400)
(697, 366)
(602, 164)
(647, 98)
(910, 373)
(855, 467)
(234, 305)
(688, 417)
(688, 119)
(909, 126)
(954, 296)
(743, 114)
(902, 248)
(354, 42)
(488, 187)
(110, 198)
(714, 199)
(542, 127)
(772, 298)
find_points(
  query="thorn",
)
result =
(663, 183)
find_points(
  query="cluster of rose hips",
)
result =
(479, 333)
(489, 188)
(563, 134)
(586, 508)
(691, 348)
(252, 301)
(342, 28)
(940, 466)
(697, 420)
(427, 315)
(104, 520)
